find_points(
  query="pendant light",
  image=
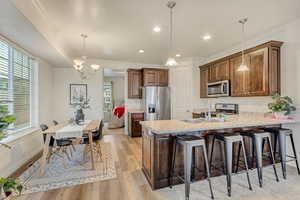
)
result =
(171, 60)
(79, 63)
(243, 66)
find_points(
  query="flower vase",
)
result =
(79, 115)
(280, 115)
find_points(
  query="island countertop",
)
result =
(233, 121)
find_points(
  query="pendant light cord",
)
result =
(243, 37)
(171, 32)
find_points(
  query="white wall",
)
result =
(61, 108)
(25, 147)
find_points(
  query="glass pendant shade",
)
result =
(95, 67)
(243, 68)
(171, 62)
(78, 67)
(78, 61)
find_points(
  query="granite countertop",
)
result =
(233, 121)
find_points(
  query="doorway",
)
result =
(113, 88)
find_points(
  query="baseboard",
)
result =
(26, 165)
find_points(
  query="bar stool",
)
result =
(258, 142)
(228, 139)
(189, 142)
(280, 136)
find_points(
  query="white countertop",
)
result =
(233, 121)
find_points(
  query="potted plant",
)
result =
(281, 106)
(5, 121)
(81, 104)
(10, 186)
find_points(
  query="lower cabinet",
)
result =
(135, 128)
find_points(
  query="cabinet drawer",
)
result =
(139, 116)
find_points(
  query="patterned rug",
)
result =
(76, 171)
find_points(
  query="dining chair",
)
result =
(96, 147)
(55, 122)
(72, 145)
(60, 149)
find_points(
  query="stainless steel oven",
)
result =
(218, 89)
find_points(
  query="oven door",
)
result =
(218, 89)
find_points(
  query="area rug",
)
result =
(76, 171)
(282, 190)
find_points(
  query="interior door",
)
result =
(181, 92)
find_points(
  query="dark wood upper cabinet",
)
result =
(262, 78)
(134, 83)
(204, 73)
(238, 79)
(219, 71)
(155, 77)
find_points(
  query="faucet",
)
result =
(208, 114)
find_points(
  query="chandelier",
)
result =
(80, 64)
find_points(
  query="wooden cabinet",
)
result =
(204, 73)
(155, 77)
(135, 128)
(219, 71)
(238, 79)
(134, 83)
(147, 142)
(253, 82)
(262, 78)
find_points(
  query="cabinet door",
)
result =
(203, 82)
(239, 79)
(257, 62)
(150, 77)
(163, 77)
(135, 124)
(146, 153)
(219, 71)
(134, 84)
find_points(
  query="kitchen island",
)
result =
(158, 140)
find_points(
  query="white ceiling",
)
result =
(117, 29)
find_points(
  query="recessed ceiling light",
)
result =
(156, 29)
(178, 55)
(141, 51)
(206, 37)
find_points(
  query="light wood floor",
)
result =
(130, 183)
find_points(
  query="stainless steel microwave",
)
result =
(218, 89)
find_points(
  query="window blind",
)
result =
(4, 69)
(15, 83)
(21, 88)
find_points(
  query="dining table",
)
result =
(68, 130)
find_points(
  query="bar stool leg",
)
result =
(187, 169)
(228, 158)
(275, 145)
(282, 149)
(238, 158)
(272, 158)
(211, 152)
(246, 165)
(207, 171)
(258, 148)
(173, 164)
(295, 153)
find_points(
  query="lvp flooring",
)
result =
(130, 183)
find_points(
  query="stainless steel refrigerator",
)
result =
(157, 105)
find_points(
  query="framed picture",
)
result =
(77, 91)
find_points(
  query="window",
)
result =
(15, 83)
